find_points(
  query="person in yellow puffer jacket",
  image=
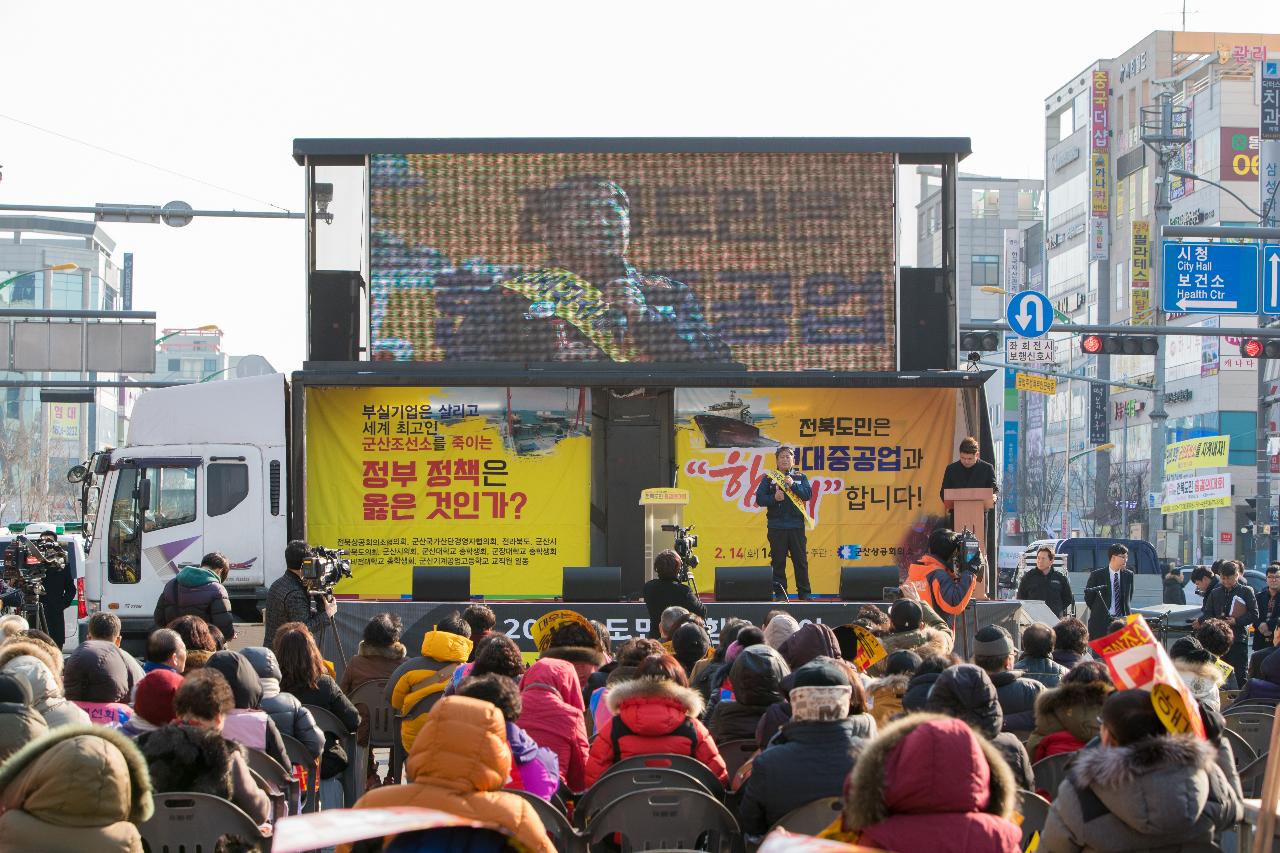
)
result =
(444, 649)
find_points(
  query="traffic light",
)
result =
(1254, 348)
(1119, 345)
(980, 341)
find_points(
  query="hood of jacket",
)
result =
(576, 655)
(894, 685)
(96, 672)
(81, 775)
(653, 706)
(916, 695)
(927, 764)
(446, 647)
(1074, 706)
(189, 758)
(1203, 680)
(756, 676)
(267, 668)
(245, 685)
(462, 747)
(779, 629)
(922, 641)
(395, 651)
(556, 676)
(1147, 784)
(810, 641)
(45, 690)
(192, 576)
(42, 652)
(965, 692)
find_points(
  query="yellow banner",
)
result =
(870, 650)
(492, 478)
(1036, 383)
(1208, 452)
(1099, 186)
(874, 458)
(64, 421)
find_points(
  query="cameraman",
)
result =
(667, 590)
(940, 581)
(59, 584)
(289, 600)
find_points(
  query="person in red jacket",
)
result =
(656, 712)
(553, 716)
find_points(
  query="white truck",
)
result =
(204, 470)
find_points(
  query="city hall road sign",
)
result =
(1210, 278)
(1030, 314)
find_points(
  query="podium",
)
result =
(969, 506)
(662, 508)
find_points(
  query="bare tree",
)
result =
(1040, 501)
(25, 490)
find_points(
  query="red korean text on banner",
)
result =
(1137, 661)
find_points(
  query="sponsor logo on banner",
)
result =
(492, 478)
(873, 457)
(1138, 662)
(1208, 452)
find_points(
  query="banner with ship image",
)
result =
(874, 457)
(493, 478)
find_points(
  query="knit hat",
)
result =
(820, 704)
(992, 641)
(902, 662)
(153, 700)
(820, 672)
(779, 629)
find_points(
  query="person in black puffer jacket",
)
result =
(993, 652)
(965, 692)
(286, 711)
(303, 675)
(199, 591)
(718, 679)
(756, 677)
(812, 754)
(917, 695)
(779, 713)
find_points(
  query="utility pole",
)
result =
(1165, 129)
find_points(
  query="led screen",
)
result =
(771, 261)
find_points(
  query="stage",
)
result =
(628, 619)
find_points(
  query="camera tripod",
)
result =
(326, 626)
(32, 608)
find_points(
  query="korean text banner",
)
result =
(874, 458)
(1207, 452)
(778, 261)
(492, 478)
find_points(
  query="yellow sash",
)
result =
(781, 483)
(576, 301)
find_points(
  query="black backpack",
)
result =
(619, 730)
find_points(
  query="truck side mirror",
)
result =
(144, 496)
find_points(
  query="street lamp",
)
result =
(215, 373)
(1192, 176)
(206, 328)
(55, 268)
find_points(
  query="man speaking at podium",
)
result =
(968, 472)
(783, 493)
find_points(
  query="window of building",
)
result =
(108, 299)
(1067, 200)
(1029, 203)
(210, 365)
(985, 271)
(1067, 269)
(24, 289)
(1120, 209)
(1122, 286)
(1080, 111)
(1145, 181)
(175, 365)
(986, 203)
(13, 403)
(66, 290)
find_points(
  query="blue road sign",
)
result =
(1030, 314)
(1271, 279)
(1210, 278)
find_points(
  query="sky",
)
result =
(217, 92)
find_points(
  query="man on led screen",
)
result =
(588, 302)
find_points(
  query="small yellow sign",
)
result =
(1036, 383)
(664, 496)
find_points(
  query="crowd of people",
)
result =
(926, 749)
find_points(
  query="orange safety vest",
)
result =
(918, 576)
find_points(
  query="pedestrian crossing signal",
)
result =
(1119, 345)
(980, 342)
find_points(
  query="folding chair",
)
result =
(1253, 726)
(279, 799)
(1241, 751)
(280, 777)
(683, 763)
(563, 836)
(1050, 772)
(1251, 777)
(1033, 812)
(611, 786)
(193, 823)
(737, 753)
(667, 820)
(376, 711)
(812, 817)
(299, 754)
(331, 725)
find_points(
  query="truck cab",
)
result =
(203, 471)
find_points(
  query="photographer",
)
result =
(289, 600)
(941, 579)
(669, 589)
(54, 579)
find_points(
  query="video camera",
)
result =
(968, 553)
(324, 568)
(683, 547)
(28, 561)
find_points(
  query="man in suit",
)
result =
(1109, 591)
